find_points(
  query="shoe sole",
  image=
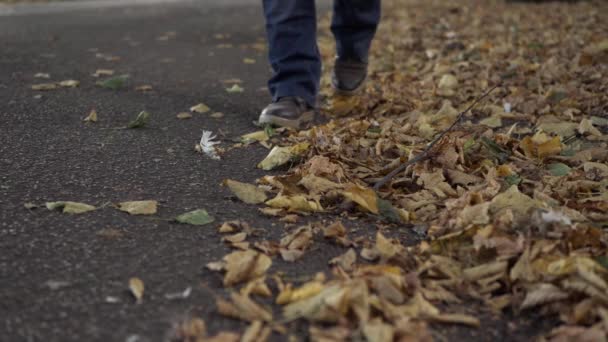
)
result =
(304, 119)
(353, 92)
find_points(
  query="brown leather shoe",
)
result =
(348, 76)
(289, 111)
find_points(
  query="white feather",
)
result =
(208, 145)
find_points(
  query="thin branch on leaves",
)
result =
(427, 151)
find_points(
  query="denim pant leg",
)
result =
(354, 25)
(293, 53)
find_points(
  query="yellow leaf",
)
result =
(378, 331)
(200, 108)
(244, 308)
(44, 86)
(247, 193)
(255, 136)
(343, 105)
(550, 148)
(281, 155)
(243, 266)
(256, 332)
(138, 207)
(92, 117)
(136, 286)
(305, 291)
(295, 203)
(365, 197)
(69, 83)
(183, 115)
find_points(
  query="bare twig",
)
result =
(426, 152)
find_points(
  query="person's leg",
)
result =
(354, 25)
(293, 53)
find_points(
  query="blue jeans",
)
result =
(291, 27)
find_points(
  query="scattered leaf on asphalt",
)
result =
(42, 75)
(92, 117)
(69, 83)
(247, 193)
(200, 108)
(196, 217)
(136, 286)
(144, 88)
(103, 72)
(45, 86)
(140, 121)
(235, 89)
(138, 207)
(183, 115)
(69, 207)
(114, 83)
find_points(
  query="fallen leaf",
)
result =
(136, 286)
(140, 121)
(69, 83)
(69, 207)
(345, 261)
(282, 155)
(255, 136)
(244, 308)
(247, 193)
(235, 89)
(103, 72)
(558, 169)
(196, 217)
(44, 86)
(114, 83)
(183, 115)
(242, 266)
(144, 88)
(256, 332)
(200, 108)
(92, 117)
(364, 197)
(138, 207)
(297, 203)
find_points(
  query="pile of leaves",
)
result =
(511, 202)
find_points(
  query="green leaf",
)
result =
(270, 131)
(556, 97)
(559, 169)
(602, 260)
(468, 144)
(140, 121)
(114, 83)
(69, 207)
(513, 179)
(495, 150)
(387, 211)
(196, 217)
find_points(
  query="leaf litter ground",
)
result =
(511, 204)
